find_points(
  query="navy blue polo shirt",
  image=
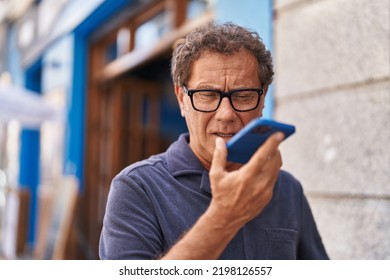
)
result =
(152, 203)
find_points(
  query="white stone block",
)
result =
(342, 140)
(353, 229)
(326, 44)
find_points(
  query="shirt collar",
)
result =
(181, 160)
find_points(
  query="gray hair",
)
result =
(226, 39)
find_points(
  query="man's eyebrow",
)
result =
(206, 86)
(217, 88)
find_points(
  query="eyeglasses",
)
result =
(208, 100)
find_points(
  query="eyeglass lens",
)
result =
(243, 100)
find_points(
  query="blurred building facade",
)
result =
(106, 65)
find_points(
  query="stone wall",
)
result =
(332, 62)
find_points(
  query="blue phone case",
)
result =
(242, 145)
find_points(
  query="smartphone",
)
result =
(242, 145)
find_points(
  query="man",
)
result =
(189, 202)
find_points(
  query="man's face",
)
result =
(225, 73)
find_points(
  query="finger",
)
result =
(266, 151)
(274, 162)
(219, 157)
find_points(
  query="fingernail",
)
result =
(218, 142)
(279, 136)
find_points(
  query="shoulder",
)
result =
(131, 188)
(288, 177)
(155, 162)
(142, 173)
(288, 188)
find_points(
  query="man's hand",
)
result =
(240, 195)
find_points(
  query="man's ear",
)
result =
(180, 99)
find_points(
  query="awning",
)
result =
(27, 107)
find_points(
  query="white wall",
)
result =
(332, 61)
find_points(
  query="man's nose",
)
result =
(225, 110)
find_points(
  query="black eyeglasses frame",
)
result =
(222, 94)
